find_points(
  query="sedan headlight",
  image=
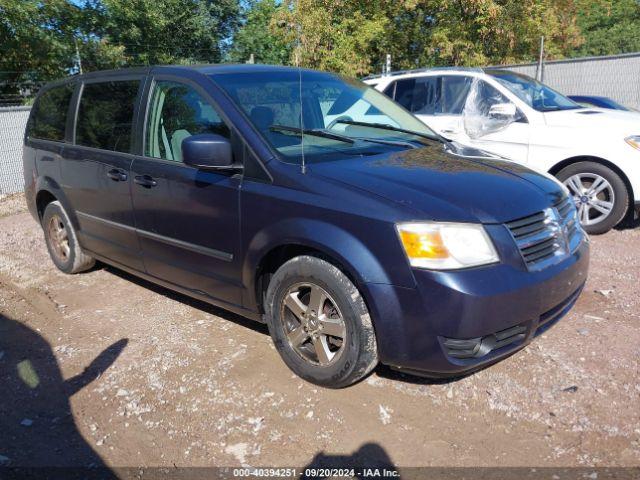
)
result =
(634, 141)
(446, 246)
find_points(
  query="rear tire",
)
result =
(319, 323)
(62, 241)
(600, 195)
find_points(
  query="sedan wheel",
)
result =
(593, 195)
(599, 193)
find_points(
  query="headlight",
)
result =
(634, 141)
(446, 246)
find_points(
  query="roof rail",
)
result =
(426, 69)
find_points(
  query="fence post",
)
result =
(539, 72)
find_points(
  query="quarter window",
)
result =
(176, 112)
(105, 115)
(49, 118)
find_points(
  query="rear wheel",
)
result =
(319, 323)
(62, 242)
(600, 195)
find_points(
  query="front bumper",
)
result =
(415, 326)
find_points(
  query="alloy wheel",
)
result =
(593, 196)
(313, 324)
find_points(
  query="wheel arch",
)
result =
(585, 158)
(285, 240)
(48, 190)
(278, 256)
(43, 198)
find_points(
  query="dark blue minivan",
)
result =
(310, 202)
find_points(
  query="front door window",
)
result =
(178, 111)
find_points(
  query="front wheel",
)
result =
(600, 195)
(319, 323)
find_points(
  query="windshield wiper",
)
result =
(336, 136)
(386, 142)
(559, 108)
(306, 131)
(384, 126)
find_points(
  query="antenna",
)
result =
(298, 50)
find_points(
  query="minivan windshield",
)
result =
(535, 94)
(322, 115)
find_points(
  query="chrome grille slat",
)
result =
(537, 217)
(547, 252)
(531, 240)
(539, 246)
(541, 237)
(528, 229)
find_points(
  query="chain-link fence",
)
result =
(13, 121)
(616, 76)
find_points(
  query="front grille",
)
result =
(547, 236)
(481, 346)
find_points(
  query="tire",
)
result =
(579, 179)
(62, 241)
(335, 348)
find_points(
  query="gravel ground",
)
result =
(102, 368)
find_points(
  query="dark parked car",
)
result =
(357, 242)
(598, 102)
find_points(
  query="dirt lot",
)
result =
(182, 383)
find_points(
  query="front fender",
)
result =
(335, 242)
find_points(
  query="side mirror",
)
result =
(502, 110)
(208, 151)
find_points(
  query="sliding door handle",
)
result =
(145, 180)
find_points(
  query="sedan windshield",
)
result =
(321, 115)
(535, 94)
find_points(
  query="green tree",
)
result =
(39, 38)
(163, 31)
(256, 37)
(36, 43)
(336, 35)
(609, 26)
(494, 31)
(353, 36)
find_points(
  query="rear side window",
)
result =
(404, 92)
(49, 117)
(454, 93)
(426, 96)
(105, 115)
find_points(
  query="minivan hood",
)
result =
(602, 119)
(439, 184)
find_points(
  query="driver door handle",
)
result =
(145, 180)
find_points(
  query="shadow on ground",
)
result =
(37, 427)
(360, 464)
